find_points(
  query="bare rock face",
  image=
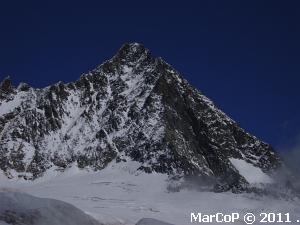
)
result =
(132, 107)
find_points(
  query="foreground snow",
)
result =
(23, 209)
(120, 195)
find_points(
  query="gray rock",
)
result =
(148, 221)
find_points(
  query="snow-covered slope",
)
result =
(133, 107)
(22, 209)
(254, 175)
(121, 195)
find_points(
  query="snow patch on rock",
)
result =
(254, 175)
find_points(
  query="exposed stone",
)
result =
(133, 106)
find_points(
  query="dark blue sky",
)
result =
(244, 55)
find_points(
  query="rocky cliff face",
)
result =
(132, 107)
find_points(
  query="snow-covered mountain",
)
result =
(133, 107)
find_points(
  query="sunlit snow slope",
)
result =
(119, 194)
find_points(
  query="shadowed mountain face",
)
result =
(132, 107)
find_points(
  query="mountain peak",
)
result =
(133, 107)
(133, 46)
(133, 52)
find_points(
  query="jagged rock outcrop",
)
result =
(6, 88)
(132, 107)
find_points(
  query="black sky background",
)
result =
(244, 55)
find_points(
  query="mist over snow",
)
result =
(291, 157)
